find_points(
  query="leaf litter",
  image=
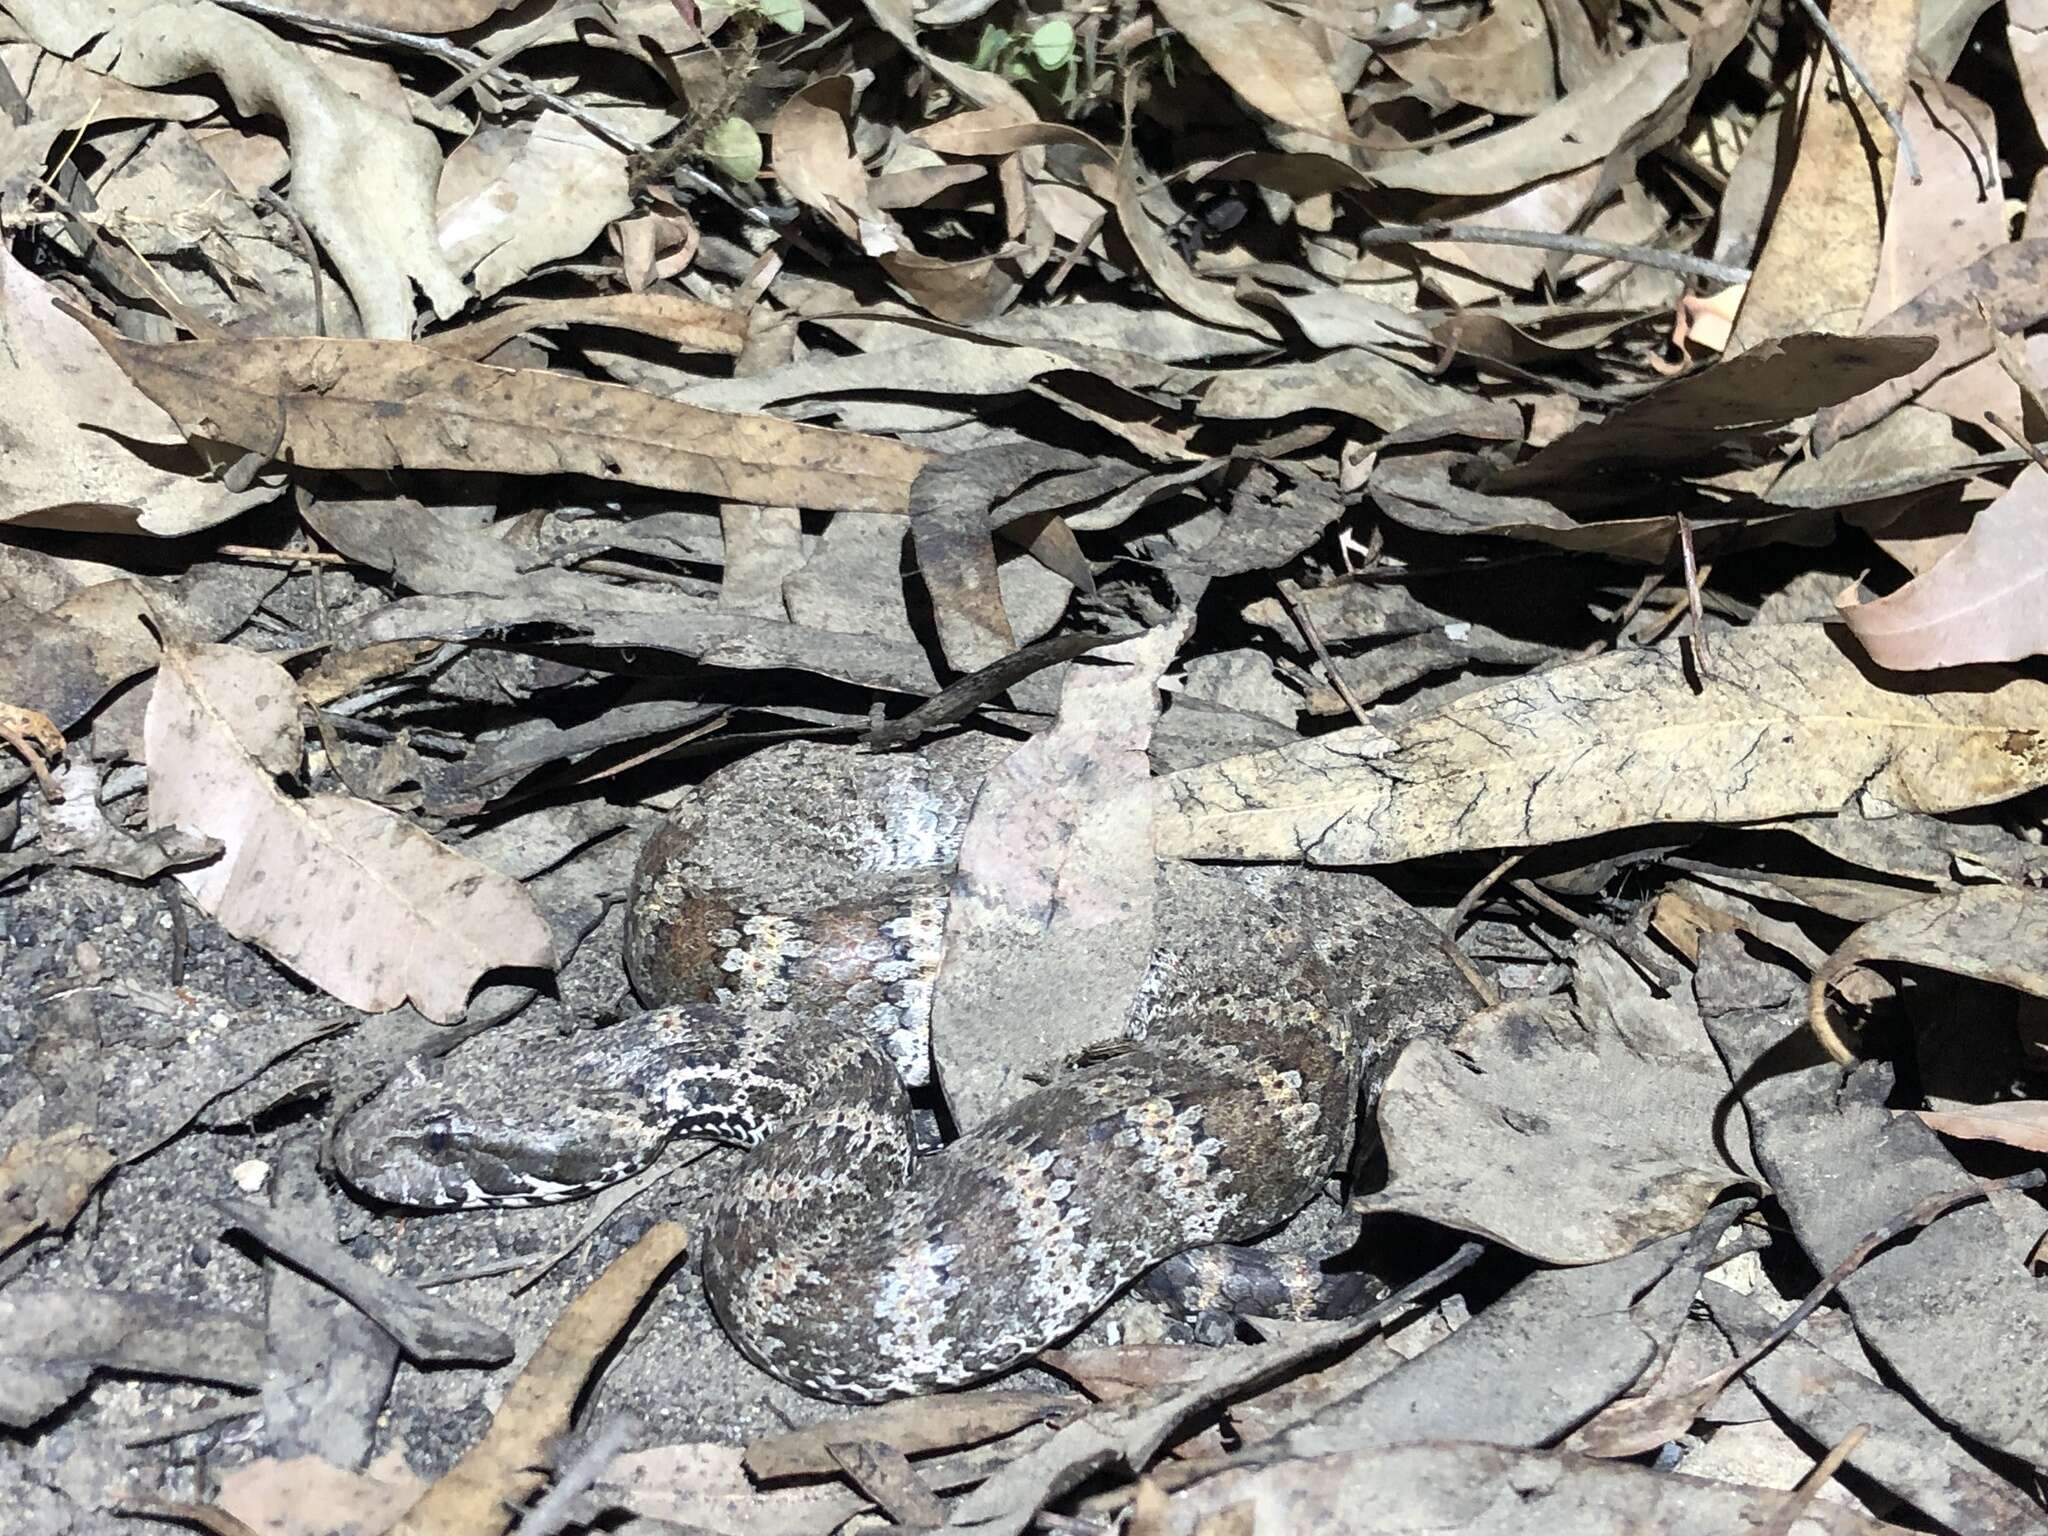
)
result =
(1580, 463)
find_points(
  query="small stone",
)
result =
(251, 1176)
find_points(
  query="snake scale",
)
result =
(793, 1010)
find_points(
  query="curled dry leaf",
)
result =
(1199, 296)
(1985, 600)
(816, 165)
(352, 897)
(362, 179)
(1987, 932)
(334, 404)
(1785, 724)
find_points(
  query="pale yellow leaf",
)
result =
(1784, 723)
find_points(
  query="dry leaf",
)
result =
(1996, 933)
(1501, 63)
(512, 199)
(688, 324)
(396, 404)
(1611, 1109)
(64, 459)
(2021, 1123)
(1986, 600)
(1785, 724)
(2006, 290)
(816, 165)
(362, 179)
(1266, 57)
(1200, 297)
(351, 896)
(1955, 214)
(479, 1494)
(1050, 925)
(1580, 129)
(1820, 252)
(45, 1181)
(305, 1496)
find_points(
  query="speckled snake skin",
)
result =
(839, 1260)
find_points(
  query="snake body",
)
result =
(838, 1259)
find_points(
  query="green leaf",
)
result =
(1052, 45)
(786, 14)
(994, 41)
(734, 148)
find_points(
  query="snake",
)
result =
(791, 1019)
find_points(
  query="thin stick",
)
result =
(557, 1507)
(2019, 438)
(1892, 120)
(1472, 898)
(1606, 933)
(263, 556)
(1290, 594)
(1547, 240)
(1809, 1486)
(310, 251)
(1920, 1214)
(1692, 591)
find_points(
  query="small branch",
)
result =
(307, 249)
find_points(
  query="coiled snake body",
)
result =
(838, 1260)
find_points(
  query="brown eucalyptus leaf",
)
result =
(689, 324)
(335, 404)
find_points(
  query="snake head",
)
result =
(443, 1137)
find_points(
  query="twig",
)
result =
(1606, 933)
(310, 251)
(1463, 910)
(1885, 110)
(1548, 240)
(1780, 1524)
(2019, 439)
(1920, 1214)
(554, 1512)
(181, 929)
(1290, 594)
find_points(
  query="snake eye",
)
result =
(438, 1137)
